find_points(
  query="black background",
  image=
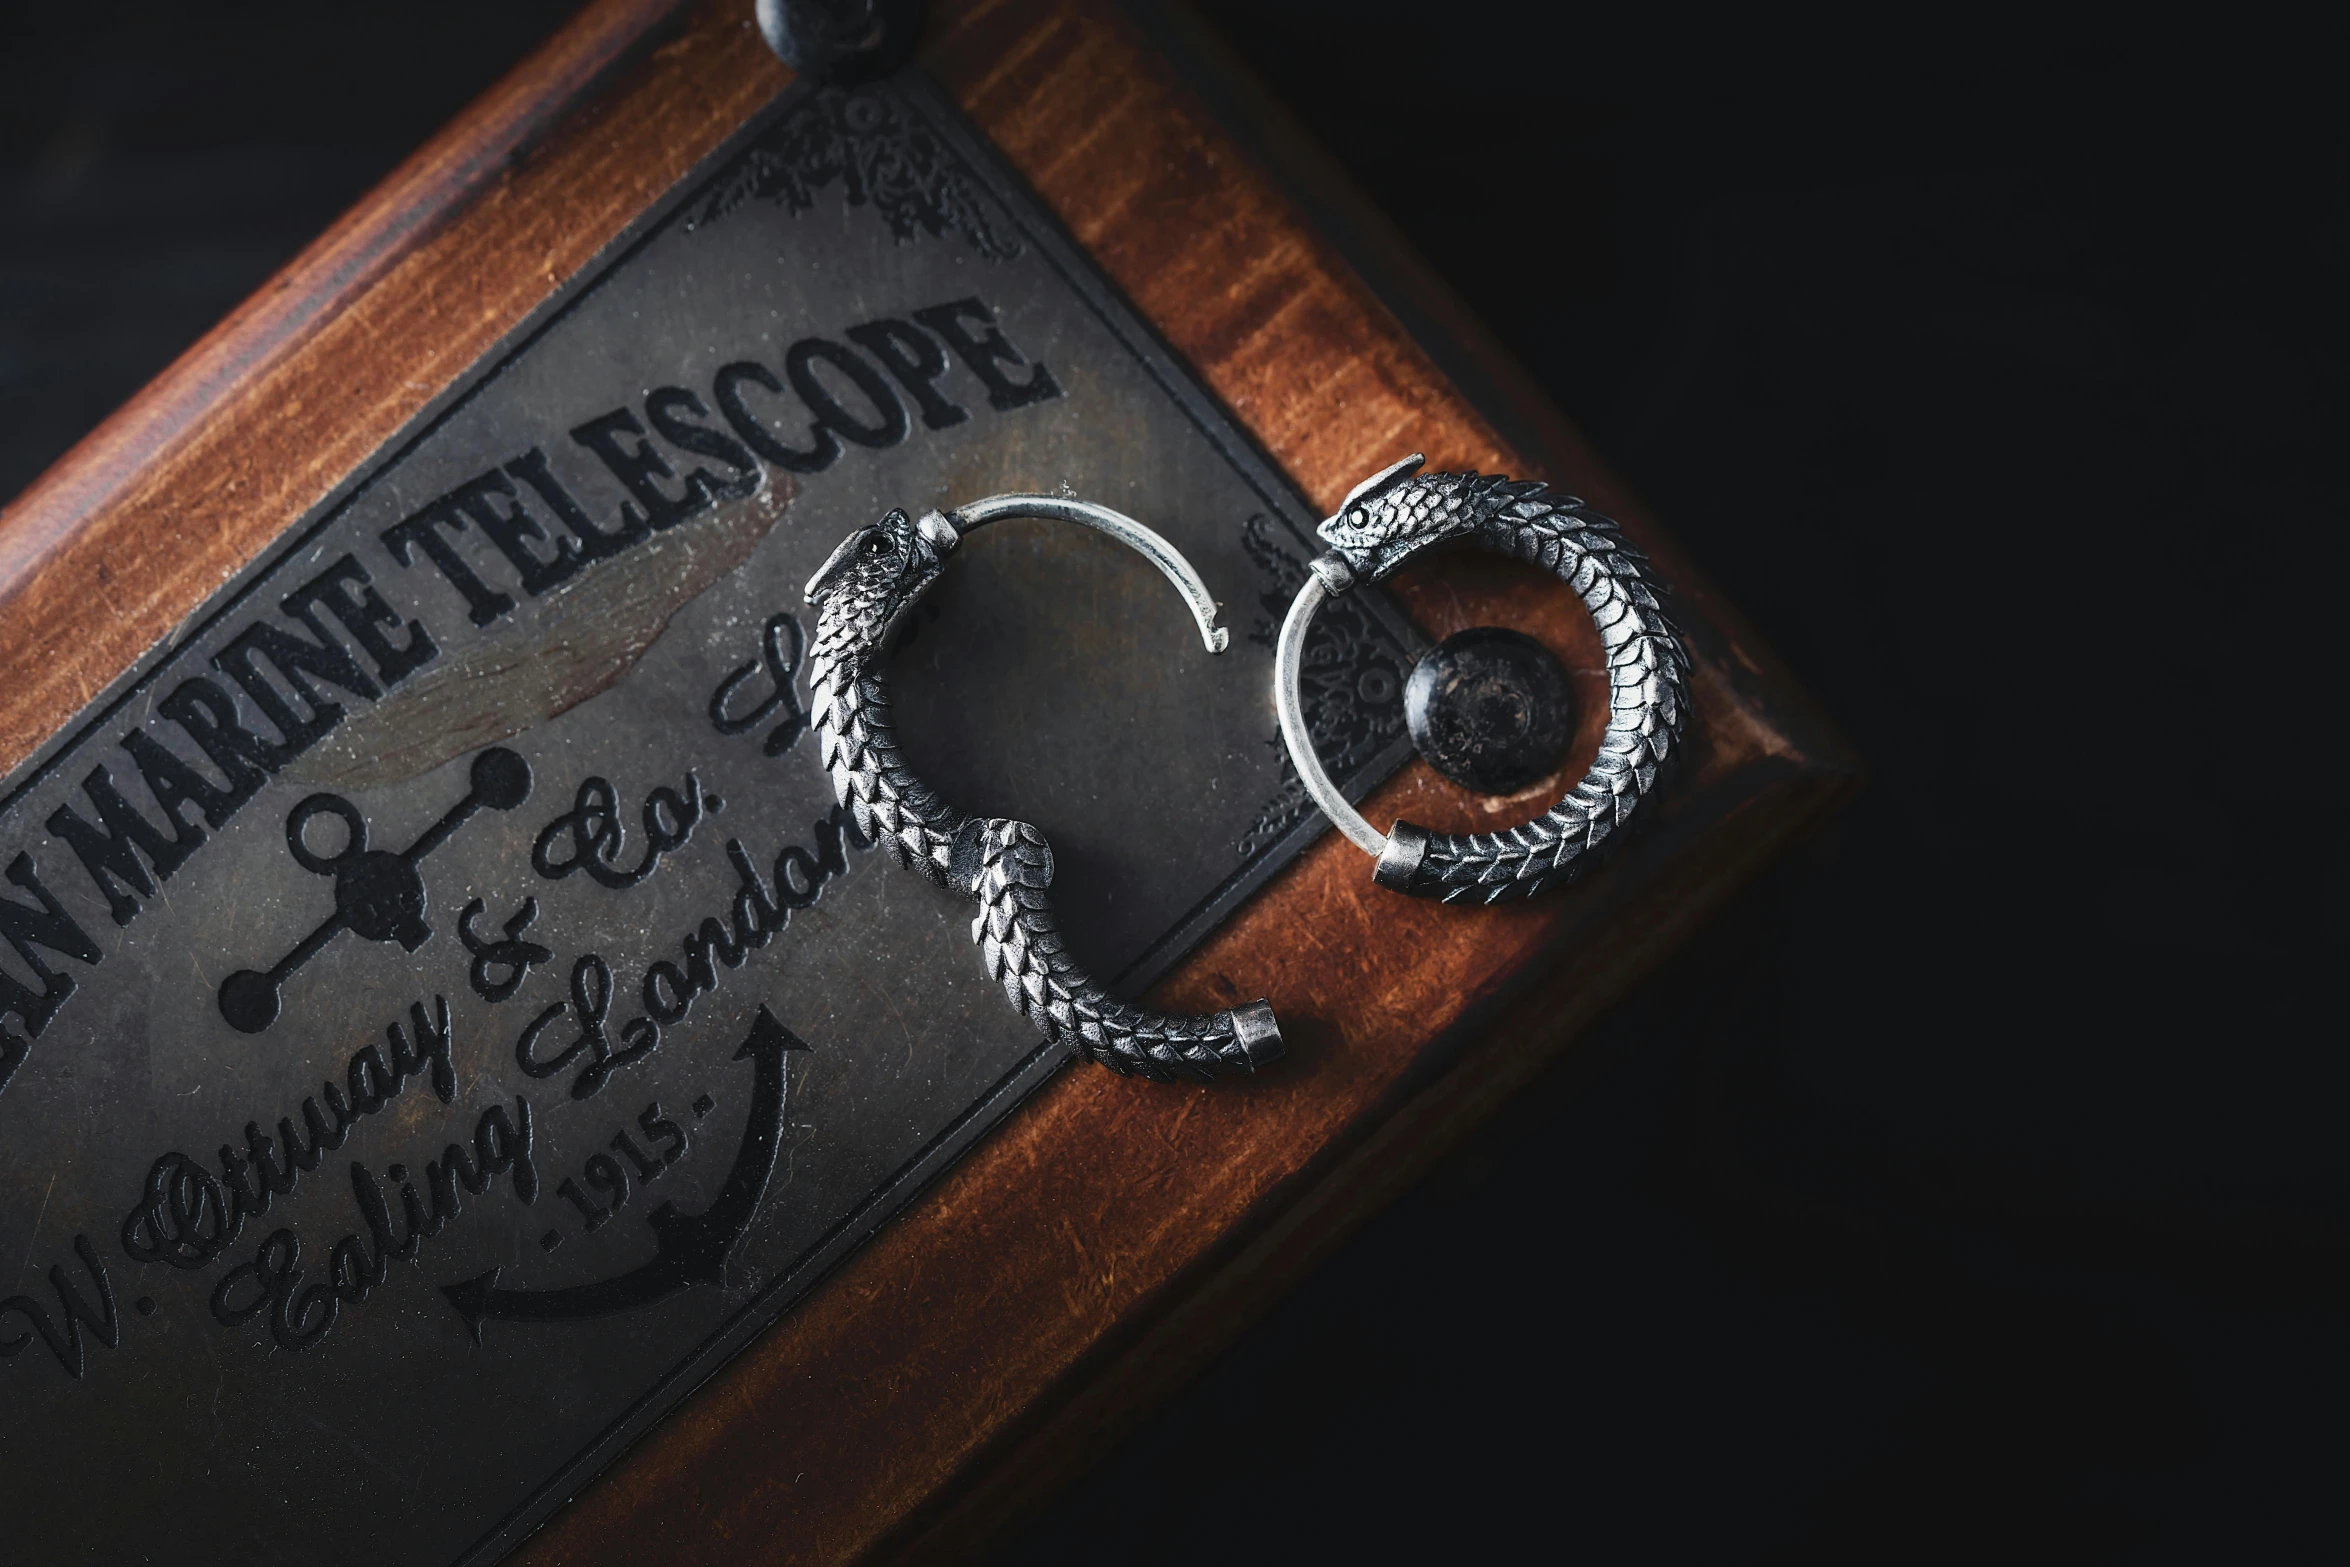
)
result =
(1978, 1186)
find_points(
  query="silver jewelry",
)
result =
(1395, 514)
(860, 595)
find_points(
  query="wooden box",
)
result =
(1111, 1235)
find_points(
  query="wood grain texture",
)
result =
(1112, 1234)
(129, 531)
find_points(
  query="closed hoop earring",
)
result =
(1394, 515)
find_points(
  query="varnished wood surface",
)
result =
(1112, 1233)
(246, 431)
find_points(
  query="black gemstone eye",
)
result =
(876, 543)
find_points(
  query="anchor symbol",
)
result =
(379, 895)
(688, 1248)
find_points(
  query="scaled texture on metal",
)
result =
(444, 1011)
(1400, 512)
(876, 576)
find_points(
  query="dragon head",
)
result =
(1387, 518)
(875, 575)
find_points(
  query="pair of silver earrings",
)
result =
(880, 572)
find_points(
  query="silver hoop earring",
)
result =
(1395, 514)
(860, 595)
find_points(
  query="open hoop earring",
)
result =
(860, 595)
(1395, 514)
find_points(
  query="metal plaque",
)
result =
(442, 1013)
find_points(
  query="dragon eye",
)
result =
(877, 544)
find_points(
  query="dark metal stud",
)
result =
(1491, 709)
(840, 41)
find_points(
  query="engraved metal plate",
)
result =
(442, 1016)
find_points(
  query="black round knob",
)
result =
(1491, 709)
(840, 41)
